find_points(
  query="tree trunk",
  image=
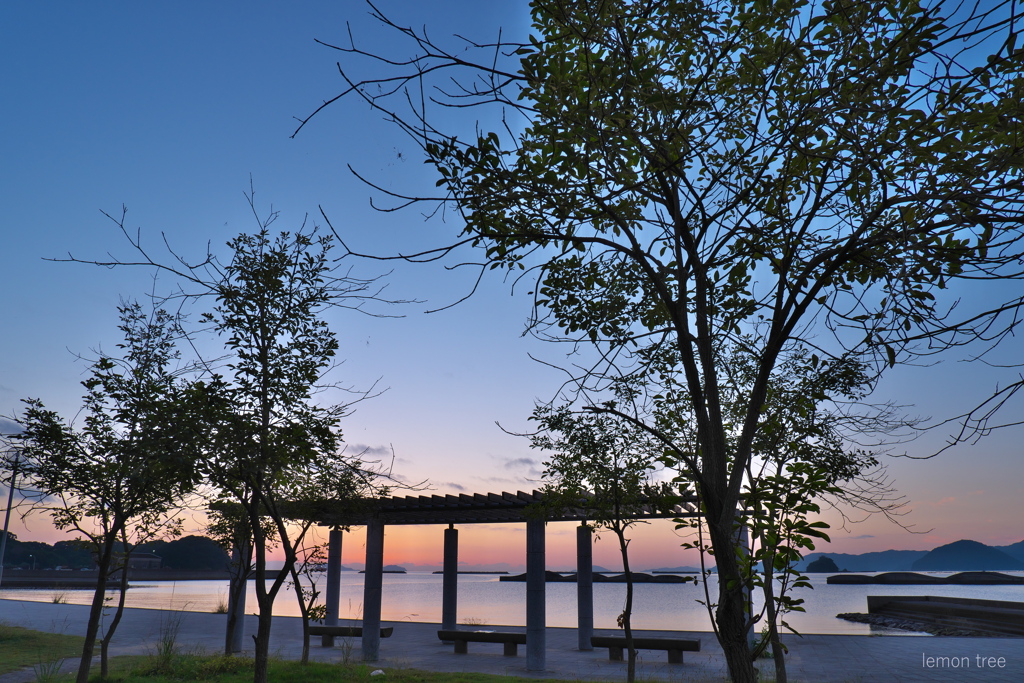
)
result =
(262, 641)
(627, 612)
(105, 640)
(92, 627)
(778, 654)
(264, 601)
(731, 614)
(96, 610)
(304, 613)
(265, 597)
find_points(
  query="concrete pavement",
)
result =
(812, 659)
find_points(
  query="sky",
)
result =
(171, 110)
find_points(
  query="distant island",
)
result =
(960, 556)
(189, 553)
(389, 569)
(822, 564)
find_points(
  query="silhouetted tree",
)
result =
(721, 178)
(118, 477)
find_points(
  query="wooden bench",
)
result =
(617, 644)
(346, 631)
(511, 641)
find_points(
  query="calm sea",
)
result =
(483, 599)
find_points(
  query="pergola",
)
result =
(479, 508)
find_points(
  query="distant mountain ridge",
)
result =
(967, 556)
(882, 561)
(970, 557)
(1014, 550)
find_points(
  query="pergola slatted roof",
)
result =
(466, 508)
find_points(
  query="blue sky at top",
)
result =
(169, 109)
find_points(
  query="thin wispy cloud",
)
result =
(9, 426)
(370, 451)
(517, 463)
(504, 482)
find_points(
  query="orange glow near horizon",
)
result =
(503, 546)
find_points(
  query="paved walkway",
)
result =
(812, 659)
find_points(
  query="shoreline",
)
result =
(817, 658)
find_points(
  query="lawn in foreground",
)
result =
(20, 647)
(220, 669)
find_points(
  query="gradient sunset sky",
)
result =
(170, 108)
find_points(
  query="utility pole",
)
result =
(7, 517)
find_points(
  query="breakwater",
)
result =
(915, 579)
(638, 577)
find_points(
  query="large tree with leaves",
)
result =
(119, 475)
(690, 172)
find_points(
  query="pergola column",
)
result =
(372, 586)
(238, 586)
(333, 583)
(536, 640)
(450, 585)
(584, 585)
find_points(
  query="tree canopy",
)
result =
(120, 474)
(692, 180)
(272, 451)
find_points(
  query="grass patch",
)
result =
(20, 647)
(221, 669)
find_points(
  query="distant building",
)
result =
(144, 561)
(140, 560)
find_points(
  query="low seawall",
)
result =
(59, 578)
(915, 579)
(991, 616)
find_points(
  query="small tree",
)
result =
(305, 575)
(268, 306)
(604, 467)
(330, 487)
(270, 298)
(118, 478)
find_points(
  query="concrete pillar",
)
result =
(536, 637)
(584, 586)
(333, 589)
(372, 585)
(237, 588)
(450, 585)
